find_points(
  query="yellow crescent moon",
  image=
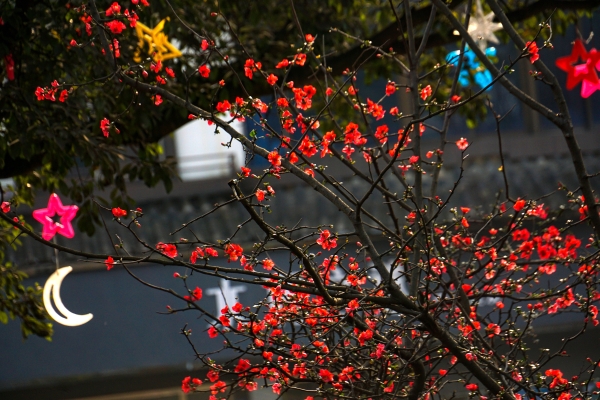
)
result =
(53, 285)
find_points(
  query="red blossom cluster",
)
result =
(49, 93)
(168, 249)
(375, 316)
(194, 295)
(250, 67)
(327, 240)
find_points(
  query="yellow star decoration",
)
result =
(158, 44)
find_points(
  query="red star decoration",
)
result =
(584, 72)
(55, 207)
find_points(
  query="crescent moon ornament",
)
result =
(53, 285)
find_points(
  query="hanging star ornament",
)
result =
(66, 214)
(156, 41)
(482, 27)
(581, 66)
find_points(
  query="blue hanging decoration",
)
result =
(471, 65)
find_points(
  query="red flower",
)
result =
(157, 99)
(5, 207)
(309, 38)
(462, 144)
(493, 329)
(114, 8)
(260, 105)
(558, 378)
(364, 336)
(272, 79)
(274, 158)
(212, 333)
(352, 306)
(282, 102)
(390, 88)
(250, 67)
(307, 147)
(116, 27)
(185, 384)
(426, 92)
(118, 212)
(188, 384)
(212, 375)
(348, 150)
(519, 205)
(234, 251)
(223, 106)
(389, 388)
(283, 63)
(10, 67)
(300, 59)
(156, 67)
(105, 126)
(375, 109)
(326, 375)
(260, 194)
(110, 263)
(326, 240)
(195, 254)
(211, 252)
(220, 386)
(242, 365)
(63, 96)
(195, 295)
(169, 250)
(471, 387)
(204, 71)
(39, 93)
(268, 264)
(533, 51)
(131, 16)
(246, 172)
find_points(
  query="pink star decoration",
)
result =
(51, 228)
(584, 72)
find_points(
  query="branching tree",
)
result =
(420, 300)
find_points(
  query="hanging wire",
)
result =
(55, 253)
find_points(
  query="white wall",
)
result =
(201, 155)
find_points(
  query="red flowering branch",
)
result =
(434, 297)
